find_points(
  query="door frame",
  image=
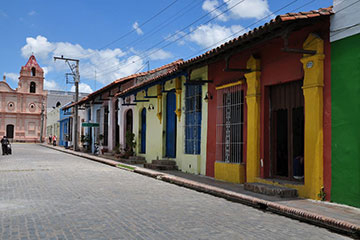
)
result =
(289, 106)
(167, 153)
(143, 131)
(12, 130)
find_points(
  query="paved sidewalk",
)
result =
(340, 218)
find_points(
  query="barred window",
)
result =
(229, 124)
(193, 99)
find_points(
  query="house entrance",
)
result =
(106, 125)
(170, 125)
(117, 127)
(287, 131)
(10, 131)
(143, 131)
(128, 125)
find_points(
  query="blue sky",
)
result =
(117, 38)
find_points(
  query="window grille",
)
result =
(230, 124)
(193, 99)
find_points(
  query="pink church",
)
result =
(22, 116)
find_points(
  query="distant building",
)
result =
(67, 126)
(58, 123)
(52, 122)
(21, 110)
(58, 98)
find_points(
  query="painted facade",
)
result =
(22, 110)
(257, 109)
(345, 104)
(58, 98)
(257, 89)
(66, 123)
(114, 116)
(176, 126)
(52, 123)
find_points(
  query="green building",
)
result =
(345, 103)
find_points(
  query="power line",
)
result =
(287, 5)
(158, 28)
(133, 30)
(164, 24)
(156, 50)
(252, 24)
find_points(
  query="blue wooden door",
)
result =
(143, 130)
(170, 125)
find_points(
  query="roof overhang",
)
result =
(150, 83)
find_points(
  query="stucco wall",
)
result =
(345, 164)
(345, 21)
(122, 122)
(52, 125)
(155, 131)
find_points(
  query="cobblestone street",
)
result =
(46, 194)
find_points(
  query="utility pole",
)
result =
(76, 75)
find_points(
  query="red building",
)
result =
(269, 112)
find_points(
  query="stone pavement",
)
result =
(336, 217)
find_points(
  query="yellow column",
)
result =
(178, 97)
(159, 103)
(313, 96)
(253, 120)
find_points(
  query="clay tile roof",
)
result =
(278, 20)
(149, 81)
(170, 66)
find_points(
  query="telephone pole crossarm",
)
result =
(76, 74)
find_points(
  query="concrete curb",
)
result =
(332, 224)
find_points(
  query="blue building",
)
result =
(65, 126)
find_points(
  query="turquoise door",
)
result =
(170, 125)
(143, 130)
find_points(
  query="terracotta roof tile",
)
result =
(151, 80)
(256, 31)
(238, 40)
(171, 66)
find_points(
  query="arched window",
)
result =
(32, 87)
(33, 71)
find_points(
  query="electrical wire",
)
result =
(158, 28)
(133, 30)
(182, 36)
(250, 25)
(287, 5)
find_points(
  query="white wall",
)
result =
(346, 20)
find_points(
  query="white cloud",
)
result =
(110, 64)
(249, 9)
(136, 27)
(177, 36)
(237, 9)
(159, 54)
(83, 88)
(39, 46)
(211, 34)
(210, 6)
(12, 76)
(51, 85)
(31, 13)
(46, 70)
